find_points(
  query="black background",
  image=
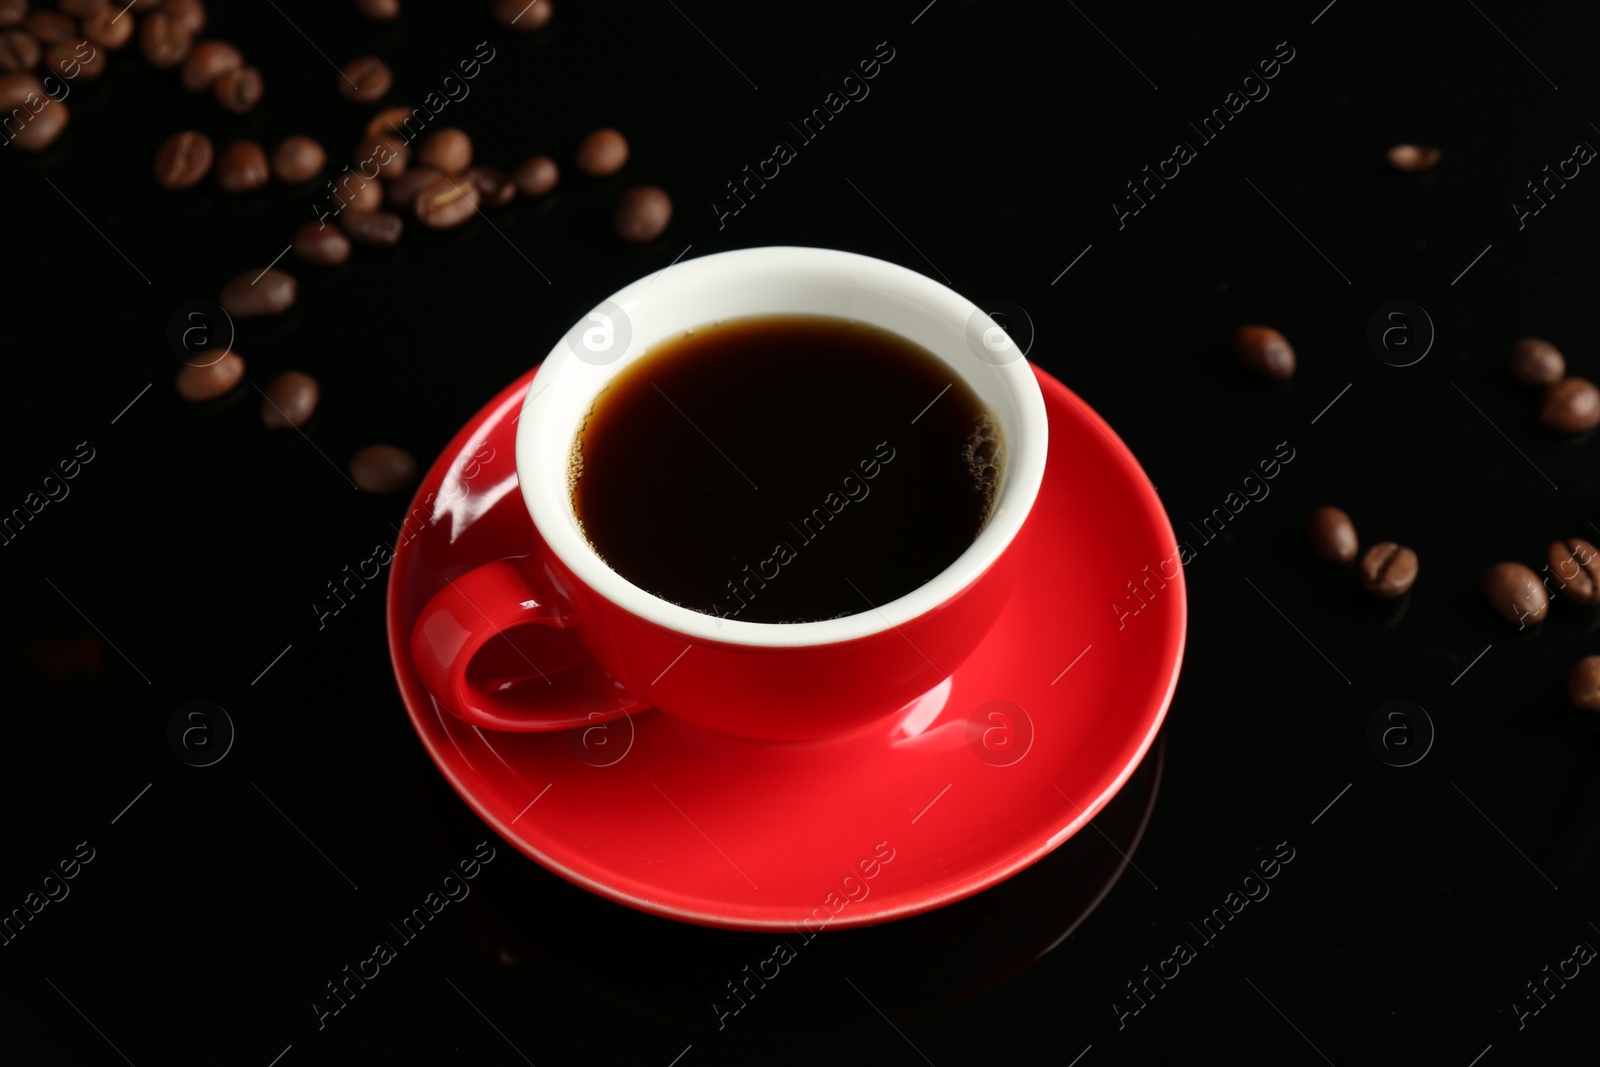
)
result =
(991, 148)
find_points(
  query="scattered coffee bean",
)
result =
(242, 167)
(104, 27)
(51, 27)
(212, 374)
(1388, 570)
(43, 128)
(355, 193)
(1583, 684)
(297, 159)
(256, 293)
(75, 60)
(1265, 352)
(163, 43)
(642, 214)
(209, 61)
(446, 202)
(321, 245)
(524, 16)
(374, 229)
(1536, 363)
(537, 176)
(495, 187)
(1413, 158)
(1333, 535)
(1516, 593)
(19, 51)
(602, 153)
(239, 90)
(365, 80)
(449, 150)
(183, 159)
(18, 88)
(379, 10)
(390, 122)
(289, 401)
(1570, 406)
(1576, 567)
(382, 157)
(401, 194)
(189, 14)
(79, 8)
(382, 469)
(12, 12)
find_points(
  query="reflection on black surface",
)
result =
(526, 917)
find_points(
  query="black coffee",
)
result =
(785, 469)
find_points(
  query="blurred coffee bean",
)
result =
(524, 16)
(18, 89)
(365, 80)
(256, 293)
(446, 202)
(12, 12)
(1536, 362)
(642, 214)
(1570, 406)
(19, 51)
(51, 27)
(1265, 352)
(78, 59)
(382, 157)
(183, 159)
(163, 43)
(79, 8)
(401, 194)
(390, 122)
(449, 150)
(382, 469)
(537, 176)
(106, 27)
(602, 153)
(289, 401)
(239, 90)
(242, 167)
(1413, 158)
(1516, 593)
(373, 229)
(209, 61)
(1576, 566)
(1388, 570)
(352, 192)
(1333, 535)
(297, 159)
(209, 377)
(321, 244)
(379, 10)
(189, 14)
(495, 187)
(43, 128)
(1583, 684)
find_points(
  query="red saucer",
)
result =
(1006, 759)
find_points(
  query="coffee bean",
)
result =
(524, 16)
(602, 153)
(105, 27)
(19, 51)
(183, 159)
(43, 128)
(495, 187)
(1265, 352)
(163, 43)
(239, 90)
(51, 27)
(1576, 566)
(379, 10)
(401, 194)
(12, 12)
(190, 14)
(382, 469)
(1388, 570)
(446, 202)
(642, 214)
(297, 159)
(212, 374)
(365, 80)
(1570, 406)
(355, 193)
(256, 293)
(289, 401)
(75, 59)
(390, 122)
(242, 167)
(1583, 684)
(449, 150)
(321, 245)
(1516, 593)
(1536, 363)
(141, 6)
(1413, 158)
(537, 176)
(1333, 535)
(209, 61)
(382, 157)
(79, 8)
(374, 229)
(21, 89)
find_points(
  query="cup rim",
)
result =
(545, 488)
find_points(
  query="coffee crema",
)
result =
(785, 469)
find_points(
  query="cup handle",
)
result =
(479, 607)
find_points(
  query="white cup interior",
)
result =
(767, 281)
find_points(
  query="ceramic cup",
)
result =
(770, 681)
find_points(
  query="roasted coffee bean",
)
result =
(449, 150)
(352, 192)
(43, 128)
(524, 16)
(401, 194)
(1413, 158)
(495, 187)
(1537, 363)
(75, 60)
(19, 52)
(209, 61)
(382, 157)
(190, 14)
(105, 27)
(602, 153)
(374, 229)
(365, 80)
(1333, 535)
(379, 10)
(141, 6)
(642, 214)
(1583, 684)
(390, 122)
(446, 202)
(183, 159)
(51, 27)
(79, 8)
(163, 42)
(1265, 352)
(289, 401)
(382, 469)
(297, 159)
(256, 293)
(12, 12)
(242, 167)
(1570, 406)
(212, 374)
(537, 176)
(1388, 570)
(239, 90)
(1516, 593)
(21, 89)
(321, 245)
(1576, 567)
